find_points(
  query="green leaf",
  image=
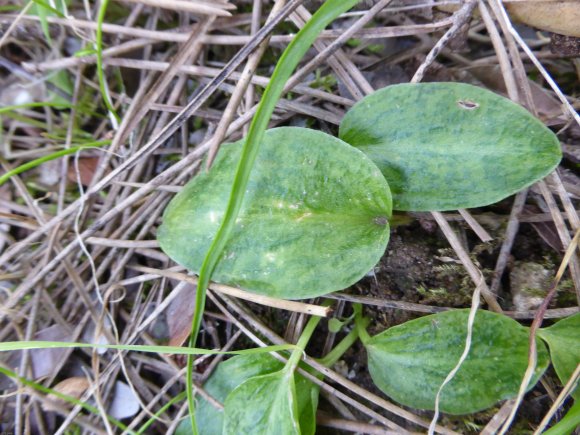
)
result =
(563, 339)
(444, 146)
(263, 405)
(568, 423)
(9, 8)
(62, 81)
(234, 372)
(314, 217)
(36, 162)
(409, 362)
(43, 10)
(335, 325)
(86, 51)
(290, 58)
(227, 376)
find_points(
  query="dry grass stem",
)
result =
(297, 307)
(196, 7)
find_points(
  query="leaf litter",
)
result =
(61, 292)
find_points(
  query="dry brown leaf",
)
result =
(179, 315)
(87, 169)
(74, 387)
(558, 17)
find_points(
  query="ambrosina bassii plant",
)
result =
(308, 214)
(315, 219)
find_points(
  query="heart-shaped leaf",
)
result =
(234, 372)
(409, 362)
(269, 404)
(563, 339)
(313, 221)
(444, 146)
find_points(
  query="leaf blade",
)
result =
(234, 372)
(314, 219)
(563, 340)
(263, 405)
(228, 375)
(444, 146)
(410, 361)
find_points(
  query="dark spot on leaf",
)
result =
(467, 104)
(380, 220)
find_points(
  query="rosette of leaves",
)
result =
(314, 219)
(315, 212)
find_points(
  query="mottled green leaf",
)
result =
(409, 362)
(234, 372)
(314, 217)
(563, 339)
(263, 405)
(444, 146)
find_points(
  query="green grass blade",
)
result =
(46, 6)
(43, 10)
(27, 345)
(34, 105)
(37, 162)
(62, 396)
(23, 345)
(149, 422)
(80, 108)
(100, 68)
(26, 120)
(9, 8)
(329, 11)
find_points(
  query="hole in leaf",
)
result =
(467, 104)
(380, 220)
